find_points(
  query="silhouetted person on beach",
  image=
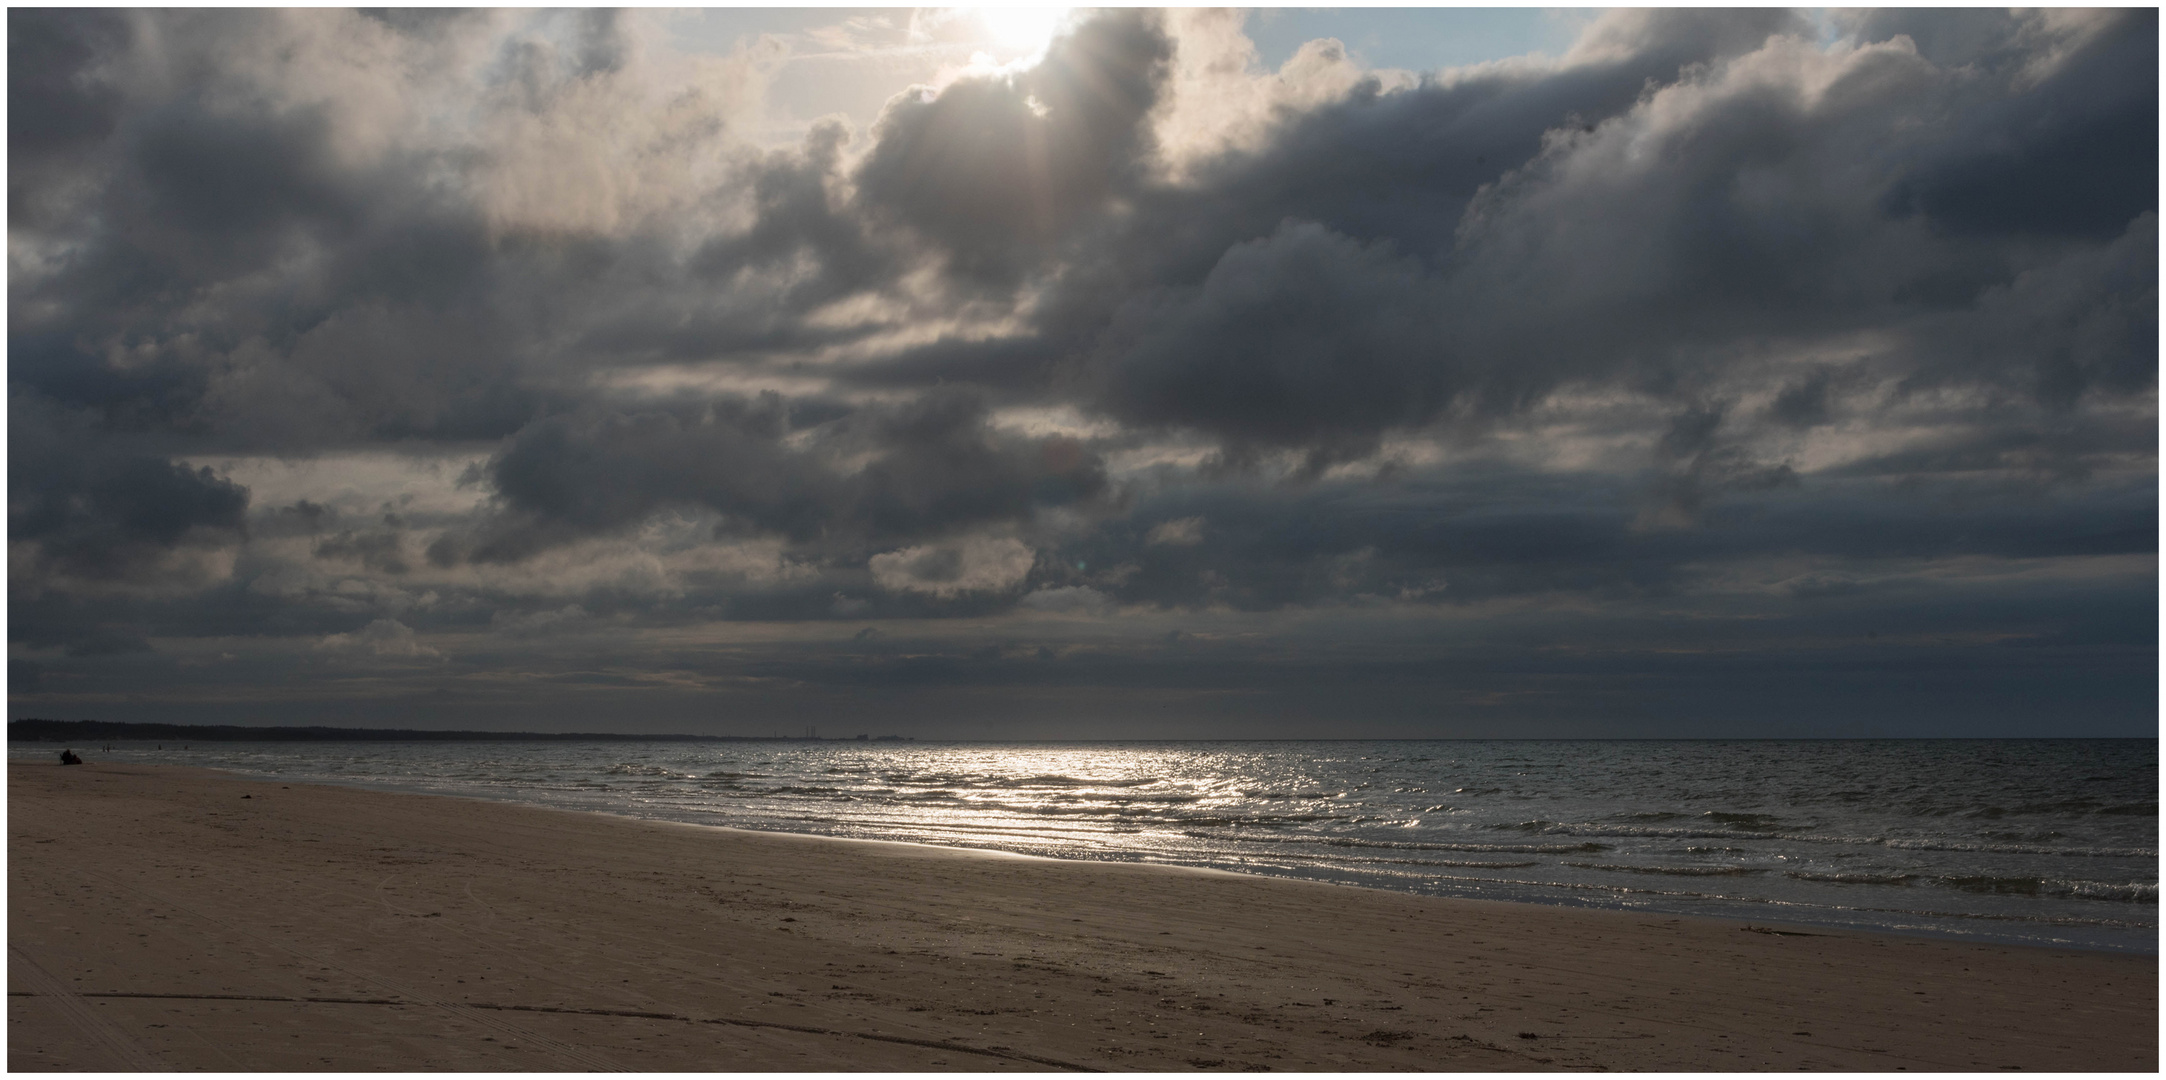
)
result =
(67, 757)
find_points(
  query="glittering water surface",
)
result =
(2037, 841)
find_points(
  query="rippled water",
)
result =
(2036, 841)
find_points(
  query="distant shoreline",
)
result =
(83, 731)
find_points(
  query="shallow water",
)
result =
(2050, 841)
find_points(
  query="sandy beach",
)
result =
(171, 918)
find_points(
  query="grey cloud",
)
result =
(532, 623)
(418, 22)
(397, 308)
(975, 565)
(1067, 600)
(995, 169)
(1401, 166)
(56, 100)
(381, 550)
(602, 46)
(1703, 317)
(1804, 402)
(1709, 264)
(2071, 155)
(799, 215)
(1953, 38)
(1477, 536)
(1674, 37)
(2086, 322)
(229, 181)
(382, 638)
(572, 45)
(299, 518)
(1180, 532)
(2019, 455)
(107, 643)
(601, 470)
(61, 103)
(1702, 464)
(945, 468)
(1303, 337)
(95, 509)
(93, 519)
(933, 468)
(1394, 169)
(1691, 431)
(158, 393)
(1473, 245)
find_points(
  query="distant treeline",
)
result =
(87, 731)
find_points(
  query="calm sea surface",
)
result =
(2035, 841)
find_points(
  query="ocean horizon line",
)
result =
(37, 729)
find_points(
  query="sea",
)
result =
(2034, 841)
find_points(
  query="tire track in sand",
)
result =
(77, 1014)
(577, 1059)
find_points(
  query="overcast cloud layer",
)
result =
(1721, 376)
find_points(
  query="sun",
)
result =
(1026, 28)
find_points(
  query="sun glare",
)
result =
(1029, 29)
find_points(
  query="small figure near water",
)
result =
(68, 757)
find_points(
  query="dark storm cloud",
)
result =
(2073, 155)
(1506, 532)
(61, 106)
(154, 395)
(239, 179)
(92, 508)
(2085, 323)
(1656, 251)
(1428, 305)
(1708, 317)
(1305, 337)
(994, 170)
(54, 99)
(935, 468)
(208, 192)
(1649, 219)
(360, 295)
(1391, 172)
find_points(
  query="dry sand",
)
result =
(179, 918)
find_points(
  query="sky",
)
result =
(986, 374)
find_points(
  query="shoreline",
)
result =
(401, 930)
(996, 853)
(1581, 898)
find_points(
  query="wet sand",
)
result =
(162, 917)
